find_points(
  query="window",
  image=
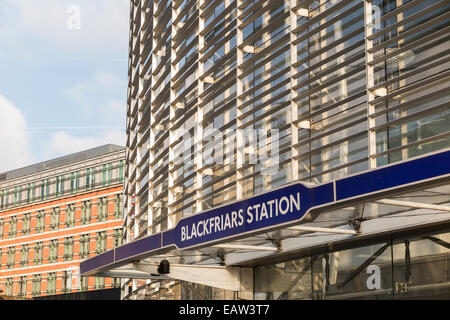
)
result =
(11, 259)
(68, 248)
(54, 223)
(74, 182)
(53, 251)
(51, 283)
(33, 191)
(26, 223)
(104, 183)
(70, 215)
(59, 185)
(90, 178)
(2, 228)
(118, 237)
(16, 196)
(67, 281)
(36, 288)
(23, 286)
(121, 170)
(24, 253)
(84, 284)
(47, 188)
(29, 193)
(38, 253)
(3, 200)
(109, 177)
(12, 226)
(86, 212)
(44, 189)
(99, 283)
(84, 246)
(9, 286)
(102, 209)
(16, 190)
(93, 178)
(118, 206)
(40, 221)
(116, 283)
(101, 242)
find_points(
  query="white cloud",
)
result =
(62, 143)
(102, 97)
(113, 111)
(14, 138)
(76, 92)
(100, 80)
(104, 27)
(95, 98)
(107, 80)
(36, 32)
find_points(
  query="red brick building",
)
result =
(54, 215)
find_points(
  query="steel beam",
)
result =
(417, 205)
(244, 247)
(228, 278)
(326, 230)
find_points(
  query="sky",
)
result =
(63, 77)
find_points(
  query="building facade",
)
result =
(55, 214)
(230, 99)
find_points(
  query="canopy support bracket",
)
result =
(229, 278)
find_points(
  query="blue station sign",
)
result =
(264, 211)
(277, 208)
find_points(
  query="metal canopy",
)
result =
(385, 200)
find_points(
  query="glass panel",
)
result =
(360, 273)
(421, 267)
(290, 280)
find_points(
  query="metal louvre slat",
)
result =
(408, 74)
(412, 144)
(410, 46)
(408, 103)
(406, 20)
(412, 86)
(409, 32)
(408, 117)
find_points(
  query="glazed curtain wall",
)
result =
(315, 89)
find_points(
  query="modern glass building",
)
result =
(231, 99)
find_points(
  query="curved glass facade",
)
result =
(228, 99)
